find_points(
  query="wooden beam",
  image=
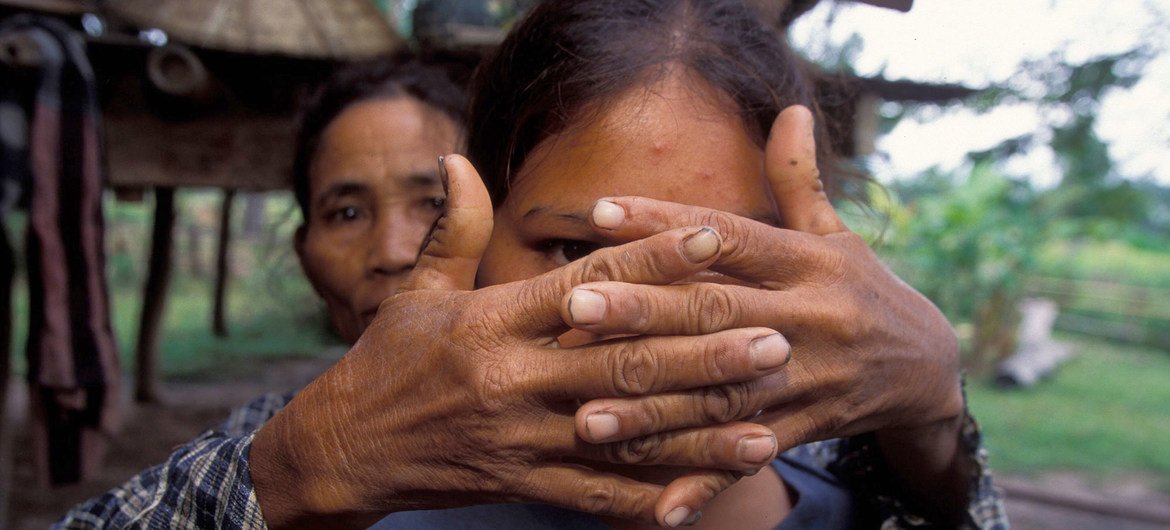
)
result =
(229, 151)
(154, 296)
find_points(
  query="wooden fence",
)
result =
(1112, 310)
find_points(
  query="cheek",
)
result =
(330, 265)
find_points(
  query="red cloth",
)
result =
(74, 375)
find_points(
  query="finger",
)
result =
(682, 501)
(752, 251)
(659, 259)
(451, 256)
(614, 308)
(737, 446)
(589, 491)
(790, 162)
(637, 366)
(608, 419)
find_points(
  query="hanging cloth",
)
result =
(72, 356)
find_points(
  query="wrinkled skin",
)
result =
(456, 396)
(869, 353)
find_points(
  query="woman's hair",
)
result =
(433, 83)
(569, 55)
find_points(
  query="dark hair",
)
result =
(432, 83)
(568, 54)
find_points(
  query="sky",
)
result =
(981, 42)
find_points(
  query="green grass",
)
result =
(1104, 413)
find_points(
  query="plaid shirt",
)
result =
(206, 483)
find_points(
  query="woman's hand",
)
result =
(455, 397)
(869, 352)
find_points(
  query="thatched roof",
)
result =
(325, 29)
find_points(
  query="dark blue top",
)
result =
(821, 502)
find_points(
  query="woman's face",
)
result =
(677, 141)
(374, 193)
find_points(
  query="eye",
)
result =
(345, 213)
(568, 250)
(436, 203)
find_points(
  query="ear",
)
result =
(299, 242)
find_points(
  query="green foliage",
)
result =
(966, 243)
(1068, 97)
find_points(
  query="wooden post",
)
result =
(219, 310)
(154, 296)
(7, 271)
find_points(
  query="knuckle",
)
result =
(636, 369)
(724, 403)
(605, 264)
(720, 481)
(736, 237)
(644, 450)
(720, 221)
(600, 498)
(490, 388)
(715, 308)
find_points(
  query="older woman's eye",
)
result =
(568, 250)
(346, 213)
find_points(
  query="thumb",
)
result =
(790, 161)
(450, 258)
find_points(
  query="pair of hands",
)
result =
(456, 396)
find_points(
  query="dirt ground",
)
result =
(193, 405)
(151, 432)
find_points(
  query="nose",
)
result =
(395, 243)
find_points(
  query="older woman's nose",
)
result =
(395, 243)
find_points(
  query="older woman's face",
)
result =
(374, 193)
(677, 141)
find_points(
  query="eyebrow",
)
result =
(342, 189)
(572, 217)
(583, 218)
(422, 180)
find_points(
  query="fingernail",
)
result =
(601, 426)
(678, 516)
(586, 307)
(756, 449)
(444, 177)
(769, 351)
(608, 215)
(701, 245)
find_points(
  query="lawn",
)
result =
(1104, 413)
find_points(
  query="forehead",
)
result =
(678, 140)
(382, 139)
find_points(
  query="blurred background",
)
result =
(1020, 181)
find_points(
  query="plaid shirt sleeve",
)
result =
(857, 462)
(203, 484)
